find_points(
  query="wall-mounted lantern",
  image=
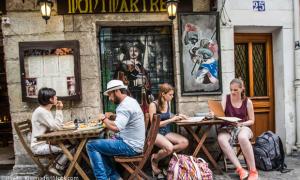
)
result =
(46, 6)
(172, 8)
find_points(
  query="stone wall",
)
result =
(28, 25)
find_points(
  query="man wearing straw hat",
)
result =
(130, 133)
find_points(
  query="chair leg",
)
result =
(225, 163)
(41, 173)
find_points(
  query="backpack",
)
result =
(185, 167)
(268, 152)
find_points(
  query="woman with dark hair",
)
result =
(43, 121)
(236, 104)
(168, 141)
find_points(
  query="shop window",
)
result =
(53, 64)
(141, 57)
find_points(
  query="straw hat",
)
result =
(114, 85)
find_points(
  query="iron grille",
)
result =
(241, 64)
(259, 69)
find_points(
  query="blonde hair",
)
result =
(240, 82)
(163, 89)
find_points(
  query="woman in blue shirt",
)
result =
(168, 141)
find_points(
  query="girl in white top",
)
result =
(43, 121)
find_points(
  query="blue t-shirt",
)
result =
(131, 124)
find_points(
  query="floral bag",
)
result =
(185, 167)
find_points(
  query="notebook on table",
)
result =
(217, 109)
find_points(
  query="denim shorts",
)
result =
(164, 130)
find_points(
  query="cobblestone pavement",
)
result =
(292, 162)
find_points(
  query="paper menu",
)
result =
(191, 120)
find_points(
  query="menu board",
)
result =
(52, 67)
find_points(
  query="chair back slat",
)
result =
(147, 120)
(151, 134)
(25, 127)
(25, 131)
(22, 130)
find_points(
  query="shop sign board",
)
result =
(117, 6)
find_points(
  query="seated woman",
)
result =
(43, 121)
(237, 105)
(166, 140)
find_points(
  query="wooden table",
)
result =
(60, 137)
(200, 138)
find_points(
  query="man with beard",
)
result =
(130, 133)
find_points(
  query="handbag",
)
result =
(185, 167)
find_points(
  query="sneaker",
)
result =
(54, 171)
(253, 175)
(242, 173)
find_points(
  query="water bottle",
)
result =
(76, 123)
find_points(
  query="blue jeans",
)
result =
(101, 151)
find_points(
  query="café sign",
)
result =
(114, 6)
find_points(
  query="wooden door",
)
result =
(253, 63)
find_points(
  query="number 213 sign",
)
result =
(259, 6)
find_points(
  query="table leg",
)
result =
(202, 146)
(196, 137)
(87, 160)
(211, 159)
(73, 159)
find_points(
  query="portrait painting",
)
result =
(31, 88)
(200, 53)
(141, 57)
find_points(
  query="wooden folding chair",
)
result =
(24, 129)
(134, 164)
(228, 165)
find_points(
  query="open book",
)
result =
(191, 120)
(216, 107)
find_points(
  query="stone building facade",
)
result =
(26, 24)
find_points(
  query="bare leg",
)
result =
(180, 142)
(223, 139)
(166, 149)
(244, 135)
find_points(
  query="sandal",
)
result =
(155, 169)
(160, 176)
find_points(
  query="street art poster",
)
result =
(139, 56)
(200, 53)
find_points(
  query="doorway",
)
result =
(254, 64)
(6, 138)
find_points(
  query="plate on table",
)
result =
(87, 128)
(68, 125)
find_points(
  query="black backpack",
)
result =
(268, 153)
